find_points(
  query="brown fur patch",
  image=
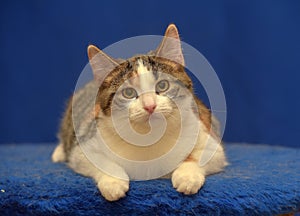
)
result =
(97, 110)
(190, 159)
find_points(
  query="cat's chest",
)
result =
(136, 152)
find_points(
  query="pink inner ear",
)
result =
(171, 49)
(101, 63)
(172, 31)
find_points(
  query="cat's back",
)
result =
(78, 117)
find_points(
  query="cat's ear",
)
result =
(170, 46)
(101, 63)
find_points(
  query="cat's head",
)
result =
(144, 84)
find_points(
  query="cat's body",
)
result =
(144, 73)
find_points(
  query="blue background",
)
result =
(254, 47)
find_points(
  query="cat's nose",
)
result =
(150, 108)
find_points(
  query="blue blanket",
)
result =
(261, 180)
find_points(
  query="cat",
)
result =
(189, 176)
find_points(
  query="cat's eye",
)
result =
(162, 86)
(129, 93)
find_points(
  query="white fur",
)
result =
(146, 78)
(188, 178)
(59, 154)
(110, 187)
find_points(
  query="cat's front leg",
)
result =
(112, 188)
(188, 178)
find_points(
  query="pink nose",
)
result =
(150, 109)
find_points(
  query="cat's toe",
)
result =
(187, 181)
(112, 189)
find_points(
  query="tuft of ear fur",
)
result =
(170, 47)
(101, 63)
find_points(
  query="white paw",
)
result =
(59, 154)
(188, 178)
(113, 189)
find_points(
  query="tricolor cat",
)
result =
(141, 86)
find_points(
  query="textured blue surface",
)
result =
(261, 180)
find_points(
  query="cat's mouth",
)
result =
(146, 117)
(142, 123)
(154, 116)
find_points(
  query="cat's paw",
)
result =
(113, 189)
(188, 178)
(59, 154)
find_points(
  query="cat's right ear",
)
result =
(170, 47)
(101, 63)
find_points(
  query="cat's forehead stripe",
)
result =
(146, 77)
(141, 68)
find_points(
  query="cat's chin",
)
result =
(141, 124)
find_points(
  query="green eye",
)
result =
(129, 93)
(162, 86)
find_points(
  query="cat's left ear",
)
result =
(101, 63)
(170, 47)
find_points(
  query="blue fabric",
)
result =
(261, 180)
(252, 45)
